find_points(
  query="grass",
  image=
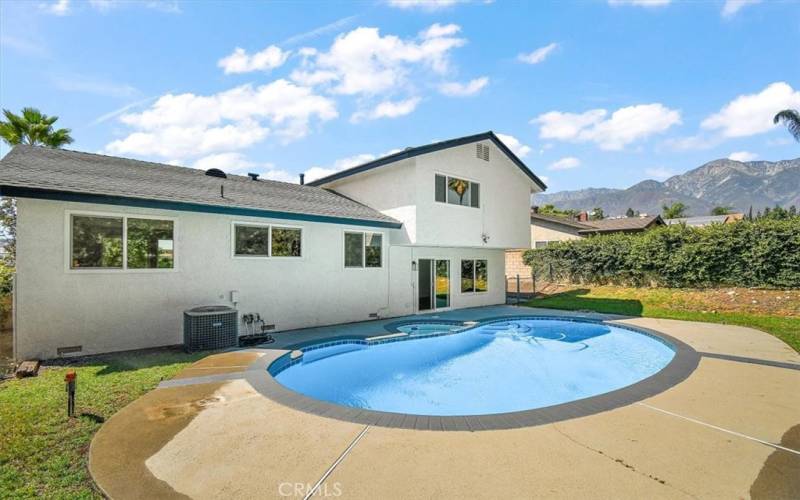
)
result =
(42, 452)
(688, 305)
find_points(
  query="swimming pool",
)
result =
(497, 367)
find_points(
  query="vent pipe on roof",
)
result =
(253, 176)
(302, 179)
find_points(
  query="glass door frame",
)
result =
(432, 283)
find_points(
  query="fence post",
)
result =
(517, 289)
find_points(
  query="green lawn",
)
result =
(42, 452)
(669, 304)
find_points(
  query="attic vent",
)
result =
(482, 152)
(215, 172)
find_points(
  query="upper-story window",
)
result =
(455, 191)
(96, 242)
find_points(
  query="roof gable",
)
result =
(430, 148)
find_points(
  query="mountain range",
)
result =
(723, 182)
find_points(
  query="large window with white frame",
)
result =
(262, 240)
(363, 249)
(456, 191)
(121, 242)
(474, 275)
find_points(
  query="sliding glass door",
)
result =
(433, 284)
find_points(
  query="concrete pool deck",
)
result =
(731, 429)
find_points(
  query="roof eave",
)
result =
(431, 148)
(104, 199)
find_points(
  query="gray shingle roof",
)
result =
(65, 171)
(566, 221)
(622, 224)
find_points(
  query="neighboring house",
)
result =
(111, 251)
(547, 228)
(706, 220)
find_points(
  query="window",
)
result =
(150, 244)
(363, 249)
(96, 242)
(540, 244)
(474, 276)
(286, 242)
(108, 242)
(455, 191)
(252, 240)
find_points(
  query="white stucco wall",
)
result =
(115, 310)
(504, 201)
(548, 231)
(406, 191)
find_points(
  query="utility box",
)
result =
(210, 327)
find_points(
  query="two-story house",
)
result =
(111, 251)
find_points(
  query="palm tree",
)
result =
(674, 211)
(32, 127)
(791, 118)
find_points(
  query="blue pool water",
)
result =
(494, 368)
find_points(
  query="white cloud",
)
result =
(538, 55)
(364, 62)
(640, 3)
(437, 30)
(457, 89)
(429, 5)
(387, 109)
(659, 173)
(57, 8)
(237, 163)
(189, 125)
(322, 30)
(731, 7)
(742, 156)
(567, 163)
(23, 45)
(752, 114)
(519, 149)
(623, 127)
(241, 62)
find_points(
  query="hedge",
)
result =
(760, 253)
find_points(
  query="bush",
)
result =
(761, 253)
(6, 279)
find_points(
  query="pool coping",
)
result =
(682, 365)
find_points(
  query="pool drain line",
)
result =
(338, 460)
(739, 434)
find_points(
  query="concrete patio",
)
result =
(732, 430)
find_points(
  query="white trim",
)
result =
(364, 249)
(124, 269)
(269, 255)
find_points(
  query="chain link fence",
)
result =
(523, 287)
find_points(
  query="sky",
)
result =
(588, 93)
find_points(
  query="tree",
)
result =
(630, 212)
(674, 211)
(36, 129)
(790, 118)
(460, 187)
(550, 209)
(597, 214)
(721, 210)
